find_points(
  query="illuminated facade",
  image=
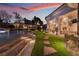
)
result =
(64, 20)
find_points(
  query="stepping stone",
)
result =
(46, 42)
(23, 37)
(49, 50)
(46, 38)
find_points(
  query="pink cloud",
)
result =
(44, 6)
(31, 9)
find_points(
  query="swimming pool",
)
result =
(7, 37)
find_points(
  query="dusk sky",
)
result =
(29, 10)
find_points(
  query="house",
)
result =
(64, 20)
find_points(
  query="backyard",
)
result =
(56, 42)
(59, 44)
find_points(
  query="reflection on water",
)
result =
(11, 35)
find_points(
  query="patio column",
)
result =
(78, 22)
(59, 26)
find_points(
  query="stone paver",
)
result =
(46, 43)
(27, 50)
(49, 50)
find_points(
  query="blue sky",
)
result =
(29, 10)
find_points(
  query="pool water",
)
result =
(7, 37)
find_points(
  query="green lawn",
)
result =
(39, 45)
(58, 43)
(55, 42)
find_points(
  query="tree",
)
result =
(0, 20)
(4, 17)
(37, 21)
(18, 17)
(34, 20)
(26, 21)
(44, 27)
(5, 20)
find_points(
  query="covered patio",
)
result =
(63, 20)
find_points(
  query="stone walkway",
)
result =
(27, 50)
(47, 49)
(26, 43)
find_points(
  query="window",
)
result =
(74, 20)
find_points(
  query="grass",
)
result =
(58, 43)
(39, 45)
(55, 42)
